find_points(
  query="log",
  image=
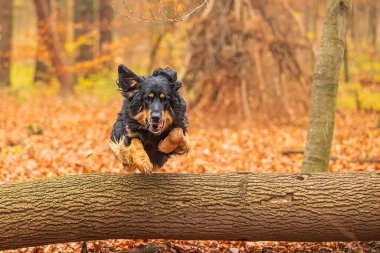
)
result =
(240, 206)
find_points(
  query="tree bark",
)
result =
(41, 73)
(105, 20)
(52, 45)
(105, 32)
(6, 21)
(325, 86)
(238, 206)
(345, 65)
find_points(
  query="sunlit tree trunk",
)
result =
(53, 46)
(325, 85)
(6, 9)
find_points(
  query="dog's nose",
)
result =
(156, 116)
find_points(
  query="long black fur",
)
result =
(135, 90)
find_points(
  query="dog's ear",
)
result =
(171, 75)
(176, 85)
(128, 81)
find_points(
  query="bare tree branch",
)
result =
(160, 15)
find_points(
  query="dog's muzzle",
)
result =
(156, 123)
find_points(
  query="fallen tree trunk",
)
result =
(241, 206)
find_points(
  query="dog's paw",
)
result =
(136, 168)
(145, 167)
(140, 158)
(133, 156)
(121, 151)
(183, 146)
(176, 142)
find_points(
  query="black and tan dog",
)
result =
(152, 125)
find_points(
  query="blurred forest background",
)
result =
(257, 56)
(242, 62)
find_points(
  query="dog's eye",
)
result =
(162, 96)
(150, 97)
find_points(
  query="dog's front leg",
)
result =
(140, 158)
(176, 142)
(133, 155)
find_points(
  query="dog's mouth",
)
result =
(155, 127)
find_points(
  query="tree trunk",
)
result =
(84, 23)
(325, 86)
(52, 45)
(236, 42)
(41, 73)
(153, 52)
(6, 21)
(157, 34)
(238, 206)
(372, 23)
(345, 65)
(105, 20)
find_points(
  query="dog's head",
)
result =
(152, 98)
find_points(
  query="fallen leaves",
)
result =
(48, 137)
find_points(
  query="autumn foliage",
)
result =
(48, 137)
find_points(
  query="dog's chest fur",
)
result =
(150, 143)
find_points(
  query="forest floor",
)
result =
(49, 137)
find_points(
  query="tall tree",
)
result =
(325, 85)
(157, 34)
(105, 25)
(84, 18)
(53, 47)
(41, 72)
(105, 33)
(5, 41)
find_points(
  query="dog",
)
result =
(152, 125)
